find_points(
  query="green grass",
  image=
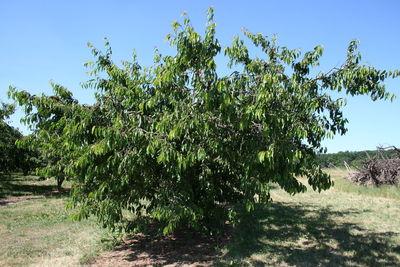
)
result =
(332, 228)
(347, 225)
(40, 232)
(18, 185)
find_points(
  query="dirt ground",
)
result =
(182, 249)
(13, 200)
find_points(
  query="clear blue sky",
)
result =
(46, 40)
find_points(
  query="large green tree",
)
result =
(180, 143)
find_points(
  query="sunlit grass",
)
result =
(40, 232)
(347, 225)
(18, 185)
(344, 226)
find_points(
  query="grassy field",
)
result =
(347, 225)
(344, 226)
(35, 228)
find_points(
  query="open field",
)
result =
(332, 228)
(35, 228)
(344, 226)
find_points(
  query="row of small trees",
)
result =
(181, 144)
(353, 158)
(13, 157)
(8, 137)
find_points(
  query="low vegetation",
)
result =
(348, 225)
(36, 229)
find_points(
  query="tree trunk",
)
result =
(60, 180)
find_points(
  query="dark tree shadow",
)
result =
(19, 186)
(185, 247)
(295, 235)
(275, 229)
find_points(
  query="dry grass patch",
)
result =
(332, 228)
(38, 231)
(344, 226)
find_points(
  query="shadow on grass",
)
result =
(19, 186)
(301, 235)
(182, 248)
(294, 235)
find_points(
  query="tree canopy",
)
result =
(179, 143)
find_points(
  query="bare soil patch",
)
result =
(13, 200)
(17, 199)
(180, 249)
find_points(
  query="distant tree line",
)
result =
(14, 158)
(353, 158)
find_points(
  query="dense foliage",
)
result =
(181, 143)
(353, 158)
